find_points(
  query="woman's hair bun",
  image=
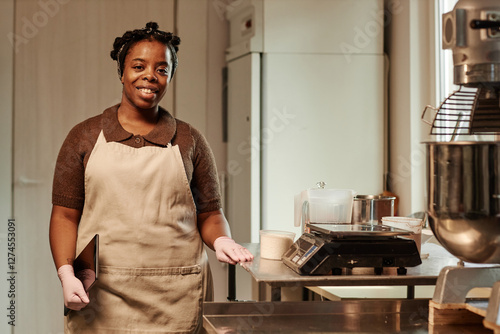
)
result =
(152, 25)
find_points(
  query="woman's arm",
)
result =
(216, 234)
(213, 225)
(62, 234)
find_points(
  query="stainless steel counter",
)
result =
(278, 275)
(353, 316)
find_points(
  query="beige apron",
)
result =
(152, 261)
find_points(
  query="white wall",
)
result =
(204, 37)
(410, 46)
(6, 109)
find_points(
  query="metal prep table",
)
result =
(278, 275)
(353, 316)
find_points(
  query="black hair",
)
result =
(122, 44)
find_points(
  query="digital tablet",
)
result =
(86, 266)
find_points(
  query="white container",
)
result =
(273, 244)
(406, 223)
(326, 206)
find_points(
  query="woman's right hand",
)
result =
(75, 297)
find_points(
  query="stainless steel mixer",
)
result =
(464, 170)
(464, 176)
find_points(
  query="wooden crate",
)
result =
(469, 316)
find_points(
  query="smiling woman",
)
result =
(146, 61)
(145, 79)
(146, 182)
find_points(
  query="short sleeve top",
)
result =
(69, 189)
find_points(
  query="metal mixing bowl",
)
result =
(464, 198)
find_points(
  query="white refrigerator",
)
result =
(305, 103)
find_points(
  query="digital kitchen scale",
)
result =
(328, 248)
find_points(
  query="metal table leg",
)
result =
(231, 283)
(410, 292)
(275, 294)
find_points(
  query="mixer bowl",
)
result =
(464, 198)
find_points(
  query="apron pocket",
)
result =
(157, 300)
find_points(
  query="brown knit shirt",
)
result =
(199, 163)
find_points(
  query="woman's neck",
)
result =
(137, 121)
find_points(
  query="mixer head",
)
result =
(472, 31)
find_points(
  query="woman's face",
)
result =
(146, 74)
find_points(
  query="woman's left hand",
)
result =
(227, 250)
